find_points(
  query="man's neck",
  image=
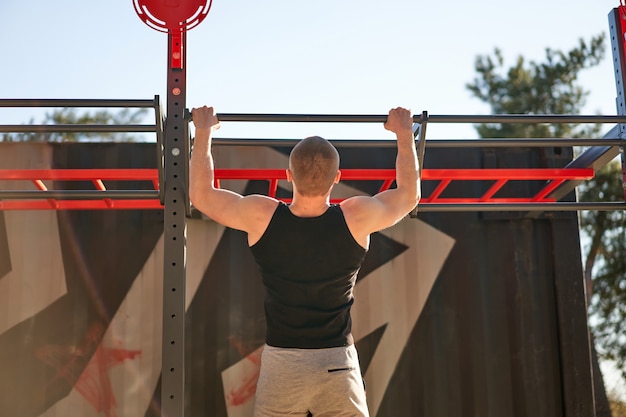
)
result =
(302, 206)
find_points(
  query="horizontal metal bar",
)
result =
(72, 128)
(79, 194)
(305, 118)
(423, 207)
(520, 142)
(80, 174)
(323, 118)
(430, 143)
(75, 103)
(381, 118)
(526, 118)
(106, 204)
(557, 206)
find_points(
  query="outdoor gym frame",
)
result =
(169, 181)
(559, 182)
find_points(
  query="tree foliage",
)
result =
(71, 117)
(551, 87)
(535, 88)
(605, 264)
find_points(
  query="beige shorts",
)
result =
(310, 382)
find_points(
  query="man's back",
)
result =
(309, 267)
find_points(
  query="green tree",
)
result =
(70, 116)
(551, 87)
(605, 264)
(537, 88)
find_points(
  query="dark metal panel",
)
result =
(492, 339)
(503, 331)
(571, 306)
(43, 357)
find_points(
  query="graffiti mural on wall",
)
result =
(435, 310)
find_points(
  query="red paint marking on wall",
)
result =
(69, 361)
(246, 389)
(91, 380)
(94, 383)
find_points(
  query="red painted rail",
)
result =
(42, 180)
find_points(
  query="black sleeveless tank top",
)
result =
(309, 267)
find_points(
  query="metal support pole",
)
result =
(617, 26)
(421, 147)
(176, 166)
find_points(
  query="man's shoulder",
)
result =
(260, 213)
(261, 204)
(356, 204)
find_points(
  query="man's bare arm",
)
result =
(226, 207)
(370, 214)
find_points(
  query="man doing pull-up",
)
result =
(309, 253)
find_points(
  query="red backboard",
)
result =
(172, 15)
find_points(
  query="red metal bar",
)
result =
(442, 186)
(493, 190)
(116, 174)
(621, 41)
(95, 176)
(134, 174)
(553, 177)
(385, 185)
(621, 9)
(526, 174)
(553, 185)
(100, 186)
(80, 204)
(273, 187)
(41, 186)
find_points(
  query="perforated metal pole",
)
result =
(174, 18)
(176, 166)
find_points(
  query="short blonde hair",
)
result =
(314, 163)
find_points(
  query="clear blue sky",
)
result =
(287, 56)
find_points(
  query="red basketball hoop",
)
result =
(172, 16)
